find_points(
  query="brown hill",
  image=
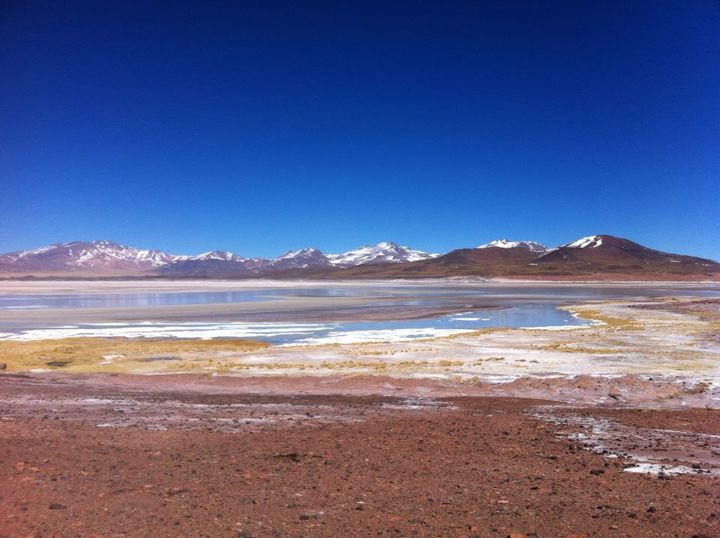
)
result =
(609, 253)
(595, 257)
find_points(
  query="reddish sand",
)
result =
(79, 459)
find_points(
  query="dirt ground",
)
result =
(78, 459)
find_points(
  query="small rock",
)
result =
(3, 366)
(57, 506)
(597, 472)
(292, 456)
(306, 517)
(651, 509)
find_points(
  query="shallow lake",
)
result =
(408, 311)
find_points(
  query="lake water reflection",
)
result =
(501, 306)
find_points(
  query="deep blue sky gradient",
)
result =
(262, 126)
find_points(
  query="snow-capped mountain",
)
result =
(606, 250)
(532, 246)
(301, 259)
(226, 265)
(212, 255)
(81, 256)
(384, 252)
(107, 257)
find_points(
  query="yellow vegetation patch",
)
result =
(609, 322)
(476, 332)
(107, 354)
(567, 347)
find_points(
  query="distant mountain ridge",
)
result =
(92, 256)
(110, 258)
(591, 255)
(602, 257)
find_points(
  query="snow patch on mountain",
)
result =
(301, 259)
(591, 241)
(532, 246)
(302, 253)
(223, 255)
(384, 252)
(78, 255)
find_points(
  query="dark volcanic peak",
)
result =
(611, 250)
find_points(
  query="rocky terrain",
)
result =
(95, 460)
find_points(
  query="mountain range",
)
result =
(107, 258)
(592, 257)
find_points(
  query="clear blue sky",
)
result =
(262, 126)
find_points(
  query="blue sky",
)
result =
(263, 126)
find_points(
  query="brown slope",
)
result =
(462, 262)
(610, 253)
(615, 258)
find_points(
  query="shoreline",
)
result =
(76, 285)
(678, 354)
